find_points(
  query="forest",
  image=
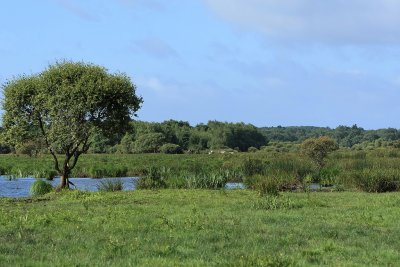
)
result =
(176, 137)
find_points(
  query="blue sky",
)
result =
(265, 62)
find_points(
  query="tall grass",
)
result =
(375, 180)
(353, 169)
(110, 185)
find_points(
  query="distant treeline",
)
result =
(179, 136)
(345, 136)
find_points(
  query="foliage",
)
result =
(377, 181)
(149, 143)
(171, 149)
(63, 106)
(252, 166)
(110, 185)
(40, 188)
(127, 144)
(252, 149)
(317, 149)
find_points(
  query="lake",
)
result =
(20, 187)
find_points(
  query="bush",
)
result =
(317, 149)
(40, 188)
(171, 149)
(110, 185)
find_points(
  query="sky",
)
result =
(265, 62)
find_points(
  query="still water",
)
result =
(20, 187)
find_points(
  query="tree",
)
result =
(171, 149)
(63, 106)
(318, 149)
(149, 143)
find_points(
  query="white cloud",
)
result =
(333, 21)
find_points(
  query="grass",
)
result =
(200, 228)
(371, 171)
(110, 185)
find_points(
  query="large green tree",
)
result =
(63, 106)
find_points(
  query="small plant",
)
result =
(110, 185)
(40, 188)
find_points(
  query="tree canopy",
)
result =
(317, 149)
(62, 107)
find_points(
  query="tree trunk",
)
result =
(64, 181)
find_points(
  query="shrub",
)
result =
(317, 149)
(40, 188)
(110, 185)
(171, 149)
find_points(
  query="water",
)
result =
(234, 186)
(20, 187)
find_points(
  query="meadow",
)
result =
(276, 221)
(200, 228)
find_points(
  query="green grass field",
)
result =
(201, 228)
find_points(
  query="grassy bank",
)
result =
(201, 228)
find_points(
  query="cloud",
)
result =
(156, 48)
(333, 22)
(74, 8)
(150, 4)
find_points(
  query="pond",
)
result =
(20, 187)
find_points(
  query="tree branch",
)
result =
(56, 165)
(76, 153)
